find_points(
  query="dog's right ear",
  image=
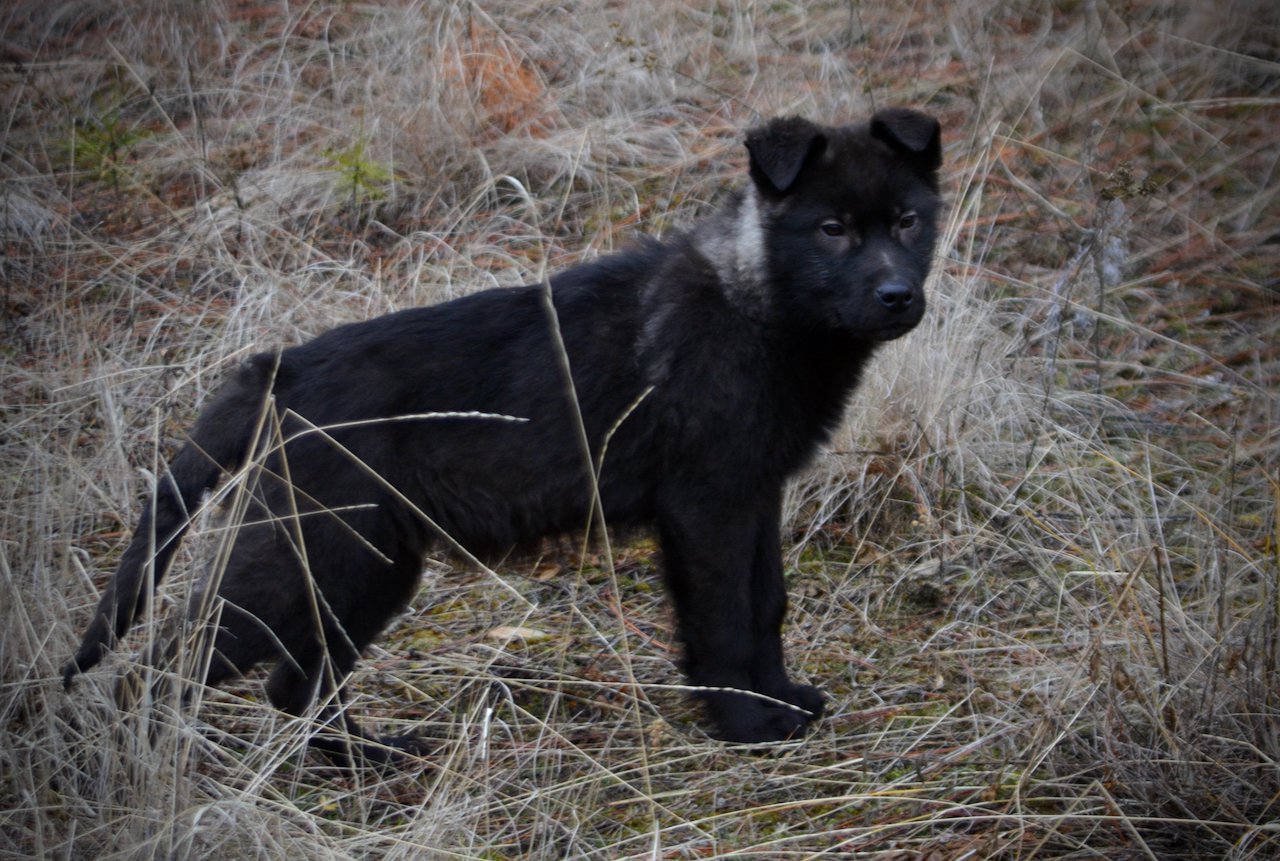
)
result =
(780, 148)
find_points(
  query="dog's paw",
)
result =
(353, 750)
(746, 719)
(806, 697)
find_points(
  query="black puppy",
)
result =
(702, 372)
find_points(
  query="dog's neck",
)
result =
(733, 242)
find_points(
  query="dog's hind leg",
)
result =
(298, 680)
(323, 643)
(309, 675)
(304, 673)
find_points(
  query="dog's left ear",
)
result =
(917, 136)
(780, 148)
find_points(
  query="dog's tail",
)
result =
(219, 443)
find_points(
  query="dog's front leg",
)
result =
(724, 572)
(769, 607)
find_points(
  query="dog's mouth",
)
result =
(879, 327)
(892, 333)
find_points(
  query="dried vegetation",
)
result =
(1038, 572)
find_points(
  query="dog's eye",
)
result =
(908, 221)
(832, 228)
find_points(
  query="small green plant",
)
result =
(99, 146)
(361, 179)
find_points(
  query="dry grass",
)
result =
(1038, 573)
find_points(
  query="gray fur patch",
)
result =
(734, 243)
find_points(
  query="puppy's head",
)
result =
(847, 217)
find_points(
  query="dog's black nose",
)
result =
(895, 296)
